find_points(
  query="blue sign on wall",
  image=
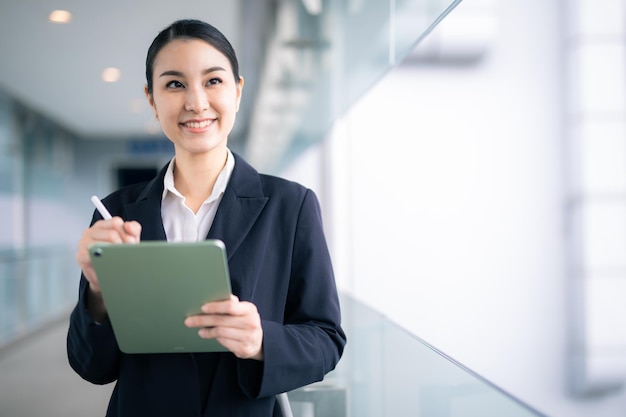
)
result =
(150, 147)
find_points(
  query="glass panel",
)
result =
(36, 285)
(604, 223)
(38, 273)
(367, 44)
(8, 147)
(599, 81)
(604, 312)
(412, 20)
(386, 371)
(318, 65)
(376, 36)
(8, 298)
(603, 156)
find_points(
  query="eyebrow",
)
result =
(180, 74)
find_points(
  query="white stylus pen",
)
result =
(101, 209)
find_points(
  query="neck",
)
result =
(195, 175)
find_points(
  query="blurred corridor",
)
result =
(36, 379)
(472, 181)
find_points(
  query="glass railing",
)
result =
(36, 286)
(386, 371)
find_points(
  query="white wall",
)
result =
(453, 199)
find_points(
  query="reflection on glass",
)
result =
(386, 371)
(323, 63)
(36, 285)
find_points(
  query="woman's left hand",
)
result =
(235, 324)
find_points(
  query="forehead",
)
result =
(180, 54)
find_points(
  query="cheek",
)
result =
(227, 104)
(163, 106)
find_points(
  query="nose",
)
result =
(196, 99)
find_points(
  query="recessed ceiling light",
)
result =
(314, 7)
(111, 74)
(60, 16)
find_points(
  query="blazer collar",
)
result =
(241, 204)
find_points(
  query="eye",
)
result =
(214, 81)
(174, 84)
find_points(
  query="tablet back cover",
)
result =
(151, 287)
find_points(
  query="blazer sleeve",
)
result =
(91, 347)
(310, 341)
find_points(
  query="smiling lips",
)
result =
(198, 124)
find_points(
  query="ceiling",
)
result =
(56, 68)
(282, 46)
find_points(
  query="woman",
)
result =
(282, 325)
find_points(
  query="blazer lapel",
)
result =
(240, 207)
(147, 209)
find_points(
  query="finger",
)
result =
(214, 320)
(248, 321)
(115, 230)
(208, 320)
(231, 333)
(132, 229)
(244, 344)
(231, 306)
(228, 335)
(109, 231)
(84, 262)
(92, 278)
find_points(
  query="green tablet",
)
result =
(150, 288)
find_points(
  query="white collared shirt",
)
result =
(180, 222)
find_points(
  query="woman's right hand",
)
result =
(115, 230)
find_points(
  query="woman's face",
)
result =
(194, 95)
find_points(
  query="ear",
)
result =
(239, 91)
(150, 100)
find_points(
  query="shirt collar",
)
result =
(220, 183)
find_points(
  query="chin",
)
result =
(204, 148)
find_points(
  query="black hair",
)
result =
(190, 29)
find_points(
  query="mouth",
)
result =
(197, 124)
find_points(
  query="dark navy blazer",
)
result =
(278, 260)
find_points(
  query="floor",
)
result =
(36, 379)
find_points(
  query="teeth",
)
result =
(198, 125)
